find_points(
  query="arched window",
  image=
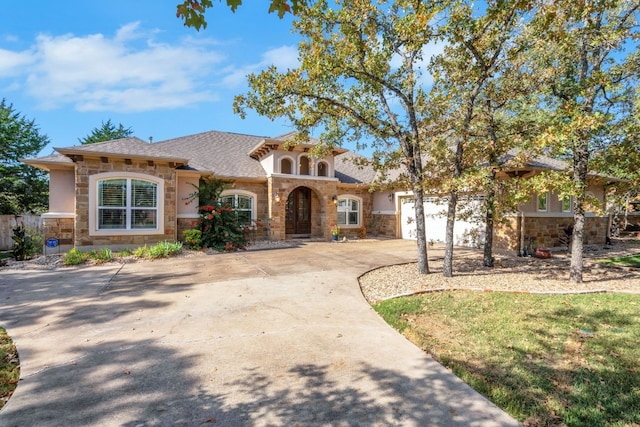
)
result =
(323, 169)
(348, 211)
(242, 206)
(285, 166)
(304, 165)
(127, 204)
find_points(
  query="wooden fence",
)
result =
(7, 222)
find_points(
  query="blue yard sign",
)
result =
(52, 242)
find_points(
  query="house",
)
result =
(129, 192)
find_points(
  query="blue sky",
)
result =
(72, 64)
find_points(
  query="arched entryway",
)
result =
(298, 215)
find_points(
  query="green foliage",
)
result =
(75, 257)
(623, 261)
(27, 242)
(159, 250)
(9, 367)
(192, 12)
(101, 255)
(218, 223)
(106, 132)
(192, 238)
(23, 188)
(164, 250)
(124, 253)
(547, 360)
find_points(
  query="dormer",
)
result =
(278, 156)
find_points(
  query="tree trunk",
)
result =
(490, 206)
(423, 261)
(447, 269)
(580, 166)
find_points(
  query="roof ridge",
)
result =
(212, 132)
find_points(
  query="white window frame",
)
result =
(94, 229)
(250, 195)
(546, 202)
(347, 198)
(562, 200)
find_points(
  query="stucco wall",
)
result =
(61, 190)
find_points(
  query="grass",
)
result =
(547, 360)
(9, 367)
(623, 261)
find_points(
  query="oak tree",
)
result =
(359, 81)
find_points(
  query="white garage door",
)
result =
(467, 232)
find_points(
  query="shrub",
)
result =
(192, 238)
(27, 242)
(102, 255)
(75, 257)
(159, 250)
(218, 223)
(141, 252)
(164, 249)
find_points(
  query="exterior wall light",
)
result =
(334, 199)
(276, 196)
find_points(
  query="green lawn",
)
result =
(546, 360)
(9, 367)
(623, 261)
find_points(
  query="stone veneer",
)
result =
(59, 228)
(546, 231)
(90, 166)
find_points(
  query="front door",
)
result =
(298, 219)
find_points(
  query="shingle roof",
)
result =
(223, 153)
(124, 147)
(348, 172)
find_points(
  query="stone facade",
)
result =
(59, 228)
(546, 231)
(89, 166)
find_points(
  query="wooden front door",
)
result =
(298, 219)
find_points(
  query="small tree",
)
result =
(107, 132)
(218, 223)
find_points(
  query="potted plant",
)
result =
(335, 231)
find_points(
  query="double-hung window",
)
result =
(127, 204)
(348, 211)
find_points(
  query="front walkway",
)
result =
(281, 337)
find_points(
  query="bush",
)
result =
(164, 250)
(27, 242)
(192, 238)
(159, 250)
(102, 255)
(75, 257)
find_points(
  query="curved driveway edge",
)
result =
(280, 337)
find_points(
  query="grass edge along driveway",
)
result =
(545, 359)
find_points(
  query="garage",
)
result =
(468, 229)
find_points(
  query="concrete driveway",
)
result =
(279, 337)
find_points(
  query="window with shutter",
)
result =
(127, 204)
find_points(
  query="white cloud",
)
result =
(283, 57)
(12, 62)
(128, 72)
